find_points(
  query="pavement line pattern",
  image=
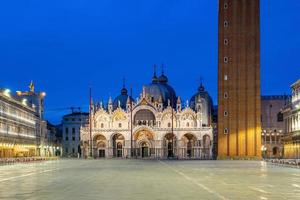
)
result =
(194, 181)
(259, 190)
(25, 175)
(296, 185)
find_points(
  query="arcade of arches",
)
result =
(146, 145)
(152, 129)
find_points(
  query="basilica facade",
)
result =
(155, 125)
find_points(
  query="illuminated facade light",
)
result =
(7, 92)
(24, 102)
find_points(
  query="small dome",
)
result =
(121, 99)
(163, 79)
(201, 94)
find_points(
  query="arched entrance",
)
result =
(170, 144)
(100, 146)
(144, 150)
(206, 146)
(118, 141)
(144, 143)
(275, 152)
(189, 141)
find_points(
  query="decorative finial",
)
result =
(201, 87)
(31, 86)
(154, 79)
(162, 69)
(124, 80)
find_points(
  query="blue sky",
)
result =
(67, 45)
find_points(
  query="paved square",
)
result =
(148, 179)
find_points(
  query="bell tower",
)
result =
(239, 124)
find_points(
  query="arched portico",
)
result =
(144, 143)
(170, 145)
(189, 146)
(100, 146)
(206, 149)
(117, 144)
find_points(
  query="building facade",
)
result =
(71, 125)
(273, 125)
(291, 115)
(22, 127)
(156, 125)
(239, 108)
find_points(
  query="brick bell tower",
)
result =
(239, 123)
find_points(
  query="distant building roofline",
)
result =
(76, 114)
(275, 97)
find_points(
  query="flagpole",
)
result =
(131, 129)
(91, 142)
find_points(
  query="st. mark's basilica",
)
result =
(155, 125)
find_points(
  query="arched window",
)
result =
(144, 117)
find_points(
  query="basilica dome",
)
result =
(160, 91)
(202, 99)
(121, 99)
(201, 95)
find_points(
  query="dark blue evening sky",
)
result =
(67, 45)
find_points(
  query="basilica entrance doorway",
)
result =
(189, 141)
(101, 153)
(145, 150)
(117, 144)
(99, 146)
(145, 142)
(119, 150)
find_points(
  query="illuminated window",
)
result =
(225, 77)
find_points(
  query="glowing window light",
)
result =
(17, 117)
(7, 92)
(24, 102)
(16, 134)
